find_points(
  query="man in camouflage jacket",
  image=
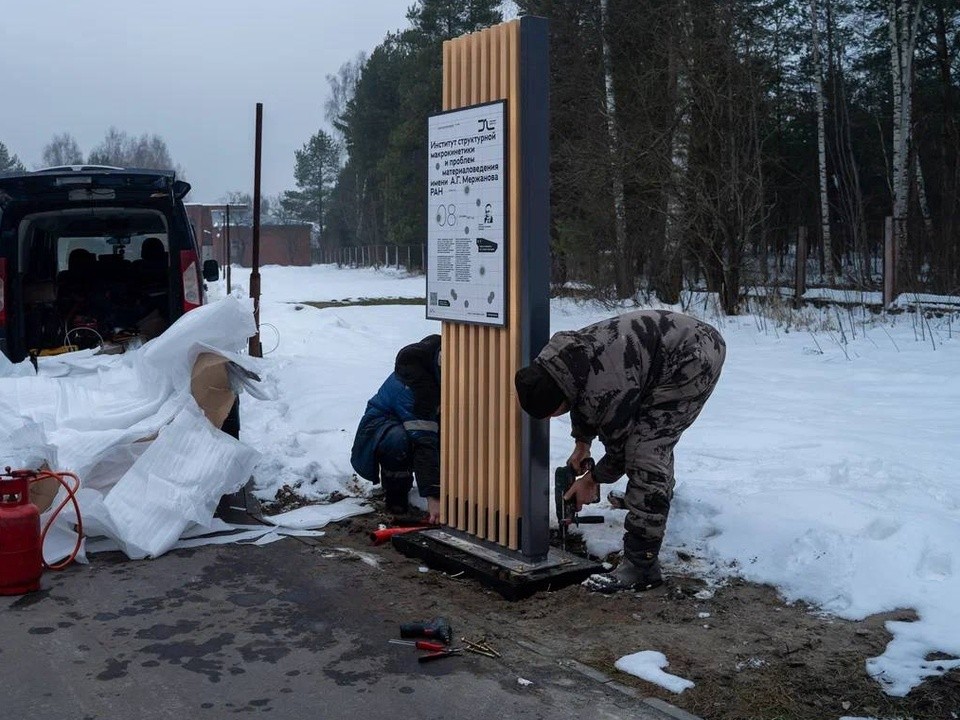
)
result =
(636, 382)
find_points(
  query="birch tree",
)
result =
(624, 267)
(902, 20)
(62, 150)
(821, 142)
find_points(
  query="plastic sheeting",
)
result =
(151, 465)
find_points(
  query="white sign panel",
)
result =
(466, 201)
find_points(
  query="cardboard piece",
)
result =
(43, 492)
(210, 387)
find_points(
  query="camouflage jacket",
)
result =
(607, 370)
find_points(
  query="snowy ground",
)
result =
(825, 463)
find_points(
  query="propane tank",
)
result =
(21, 557)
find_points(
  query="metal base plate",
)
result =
(503, 570)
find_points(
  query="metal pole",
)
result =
(227, 253)
(255, 349)
(534, 237)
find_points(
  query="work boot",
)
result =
(626, 577)
(396, 488)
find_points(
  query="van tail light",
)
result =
(3, 293)
(190, 277)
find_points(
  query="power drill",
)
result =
(567, 515)
(436, 629)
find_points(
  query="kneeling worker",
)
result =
(399, 434)
(637, 382)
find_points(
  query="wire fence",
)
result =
(412, 258)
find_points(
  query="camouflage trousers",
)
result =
(688, 379)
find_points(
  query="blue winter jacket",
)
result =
(407, 400)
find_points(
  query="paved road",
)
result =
(238, 629)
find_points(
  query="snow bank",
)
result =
(826, 469)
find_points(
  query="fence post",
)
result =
(889, 263)
(800, 280)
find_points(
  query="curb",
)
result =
(656, 704)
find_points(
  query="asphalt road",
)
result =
(228, 629)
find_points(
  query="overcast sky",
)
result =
(191, 72)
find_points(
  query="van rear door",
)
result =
(82, 188)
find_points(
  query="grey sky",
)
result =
(189, 71)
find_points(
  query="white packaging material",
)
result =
(151, 465)
(313, 517)
(225, 325)
(177, 481)
(25, 446)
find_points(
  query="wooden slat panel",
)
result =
(447, 497)
(483, 333)
(497, 336)
(481, 444)
(462, 417)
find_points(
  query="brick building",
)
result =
(279, 244)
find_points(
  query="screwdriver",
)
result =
(446, 652)
(421, 644)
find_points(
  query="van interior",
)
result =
(93, 276)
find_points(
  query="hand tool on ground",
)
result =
(421, 644)
(378, 537)
(437, 628)
(447, 652)
(480, 648)
(567, 514)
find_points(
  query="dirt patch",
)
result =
(750, 655)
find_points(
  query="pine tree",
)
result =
(380, 195)
(318, 163)
(8, 162)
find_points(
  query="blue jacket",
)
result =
(409, 401)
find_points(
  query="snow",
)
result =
(648, 665)
(823, 466)
(326, 282)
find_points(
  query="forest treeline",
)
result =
(693, 139)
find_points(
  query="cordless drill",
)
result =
(436, 629)
(567, 515)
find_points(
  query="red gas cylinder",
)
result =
(21, 559)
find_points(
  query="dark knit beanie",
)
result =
(539, 394)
